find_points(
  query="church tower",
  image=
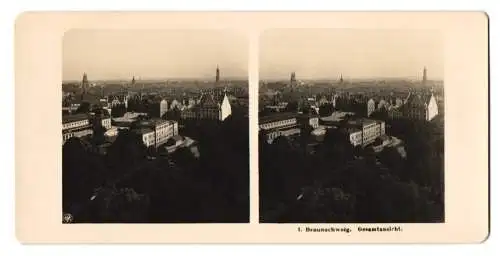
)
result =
(217, 74)
(85, 83)
(293, 80)
(424, 76)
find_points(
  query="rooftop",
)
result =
(336, 116)
(158, 121)
(277, 117)
(143, 130)
(74, 118)
(353, 129)
(309, 115)
(361, 122)
(385, 137)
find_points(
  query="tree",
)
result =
(305, 135)
(292, 106)
(324, 204)
(126, 153)
(326, 109)
(81, 173)
(98, 131)
(84, 108)
(306, 109)
(337, 146)
(120, 205)
(173, 114)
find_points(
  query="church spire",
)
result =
(293, 80)
(217, 74)
(85, 83)
(424, 76)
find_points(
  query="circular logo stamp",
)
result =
(67, 218)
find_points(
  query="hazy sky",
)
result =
(121, 54)
(325, 53)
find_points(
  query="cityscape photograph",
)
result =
(351, 126)
(155, 126)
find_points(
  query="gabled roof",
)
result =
(418, 99)
(74, 118)
(208, 100)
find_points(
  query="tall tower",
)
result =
(217, 74)
(424, 77)
(142, 89)
(85, 83)
(341, 79)
(293, 81)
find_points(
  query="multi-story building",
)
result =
(364, 131)
(282, 124)
(210, 107)
(76, 126)
(394, 112)
(156, 132)
(420, 107)
(164, 130)
(163, 107)
(370, 107)
(106, 122)
(309, 119)
(355, 136)
(147, 135)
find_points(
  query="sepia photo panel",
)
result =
(155, 126)
(351, 126)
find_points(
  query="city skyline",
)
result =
(123, 54)
(356, 54)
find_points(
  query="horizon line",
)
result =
(355, 78)
(137, 80)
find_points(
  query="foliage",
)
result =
(292, 106)
(127, 186)
(173, 114)
(334, 186)
(326, 109)
(118, 110)
(84, 108)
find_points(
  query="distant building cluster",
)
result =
(153, 116)
(356, 115)
(209, 107)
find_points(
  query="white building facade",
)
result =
(76, 126)
(163, 107)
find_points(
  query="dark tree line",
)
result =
(342, 183)
(326, 109)
(128, 185)
(118, 110)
